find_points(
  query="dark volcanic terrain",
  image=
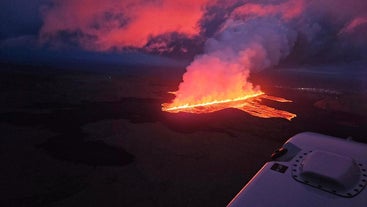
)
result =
(93, 138)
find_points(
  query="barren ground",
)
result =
(100, 139)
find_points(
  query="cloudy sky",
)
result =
(314, 30)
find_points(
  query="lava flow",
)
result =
(250, 104)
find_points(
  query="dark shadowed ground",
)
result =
(79, 138)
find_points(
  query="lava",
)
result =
(250, 104)
(252, 39)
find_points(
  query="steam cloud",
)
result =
(255, 37)
(324, 28)
(251, 36)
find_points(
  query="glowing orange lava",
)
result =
(250, 104)
(214, 82)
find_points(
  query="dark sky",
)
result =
(20, 17)
(50, 30)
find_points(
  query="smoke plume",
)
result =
(325, 29)
(241, 36)
(257, 36)
(252, 38)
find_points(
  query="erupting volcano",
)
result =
(253, 38)
(250, 104)
(213, 82)
(218, 79)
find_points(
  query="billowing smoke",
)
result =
(241, 36)
(257, 36)
(252, 38)
(325, 29)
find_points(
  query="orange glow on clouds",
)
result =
(355, 23)
(211, 85)
(121, 23)
(246, 42)
(287, 10)
(209, 79)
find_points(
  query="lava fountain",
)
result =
(198, 93)
(253, 38)
(251, 104)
